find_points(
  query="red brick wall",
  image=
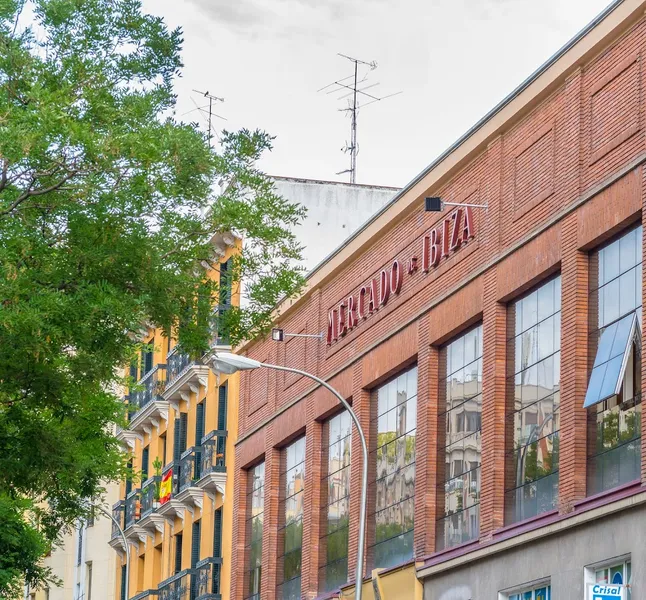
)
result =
(558, 181)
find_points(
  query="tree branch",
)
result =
(3, 177)
(31, 193)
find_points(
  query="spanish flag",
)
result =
(166, 487)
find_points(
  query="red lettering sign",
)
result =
(440, 243)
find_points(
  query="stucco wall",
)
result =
(561, 557)
(334, 212)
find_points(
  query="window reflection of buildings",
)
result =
(614, 424)
(291, 529)
(532, 460)
(395, 470)
(335, 510)
(459, 521)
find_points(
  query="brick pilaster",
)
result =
(492, 502)
(312, 510)
(426, 444)
(361, 405)
(574, 367)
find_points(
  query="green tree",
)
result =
(107, 213)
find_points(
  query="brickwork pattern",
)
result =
(558, 181)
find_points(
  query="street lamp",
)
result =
(228, 363)
(125, 542)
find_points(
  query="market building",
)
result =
(492, 354)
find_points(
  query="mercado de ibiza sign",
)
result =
(437, 246)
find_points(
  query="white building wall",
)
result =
(95, 550)
(334, 212)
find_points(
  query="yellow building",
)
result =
(183, 419)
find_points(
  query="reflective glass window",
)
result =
(542, 592)
(335, 492)
(613, 396)
(460, 451)
(290, 533)
(255, 511)
(394, 423)
(533, 416)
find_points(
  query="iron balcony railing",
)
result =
(149, 495)
(207, 574)
(176, 363)
(177, 587)
(118, 513)
(189, 468)
(133, 508)
(146, 594)
(151, 386)
(213, 453)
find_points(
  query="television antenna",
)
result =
(352, 87)
(208, 111)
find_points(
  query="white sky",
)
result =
(453, 59)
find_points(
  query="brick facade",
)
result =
(559, 177)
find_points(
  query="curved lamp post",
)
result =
(228, 363)
(125, 543)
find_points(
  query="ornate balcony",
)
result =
(150, 404)
(189, 473)
(213, 472)
(183, 377)
(132, 530)
(177, 587)
(151, 520)
(207, 579)
(118, 513)
(126, 436)
(172, 507)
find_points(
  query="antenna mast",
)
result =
(211, 114)
(357, 92)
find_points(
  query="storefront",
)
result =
(493, 356)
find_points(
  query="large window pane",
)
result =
(290, 533)
(532, 459)
(461, 450)
(395, 423)
(613, 396)
(335, 486)
(255, 502)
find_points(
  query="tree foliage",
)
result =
(107, 213)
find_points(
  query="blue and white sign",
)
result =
(606, 591)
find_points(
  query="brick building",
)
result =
(493, 357)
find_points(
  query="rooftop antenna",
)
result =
(355, 90)
(208, 110)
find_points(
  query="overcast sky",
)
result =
(452, 59)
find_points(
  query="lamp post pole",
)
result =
(364, 471)
(226, 362)
(125, 543)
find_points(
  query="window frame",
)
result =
(326, 533)
(281, 581)
(463, 426)
(515, 450)
(248, 568)
(589, 572)
(375, 448)
(532, 586)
